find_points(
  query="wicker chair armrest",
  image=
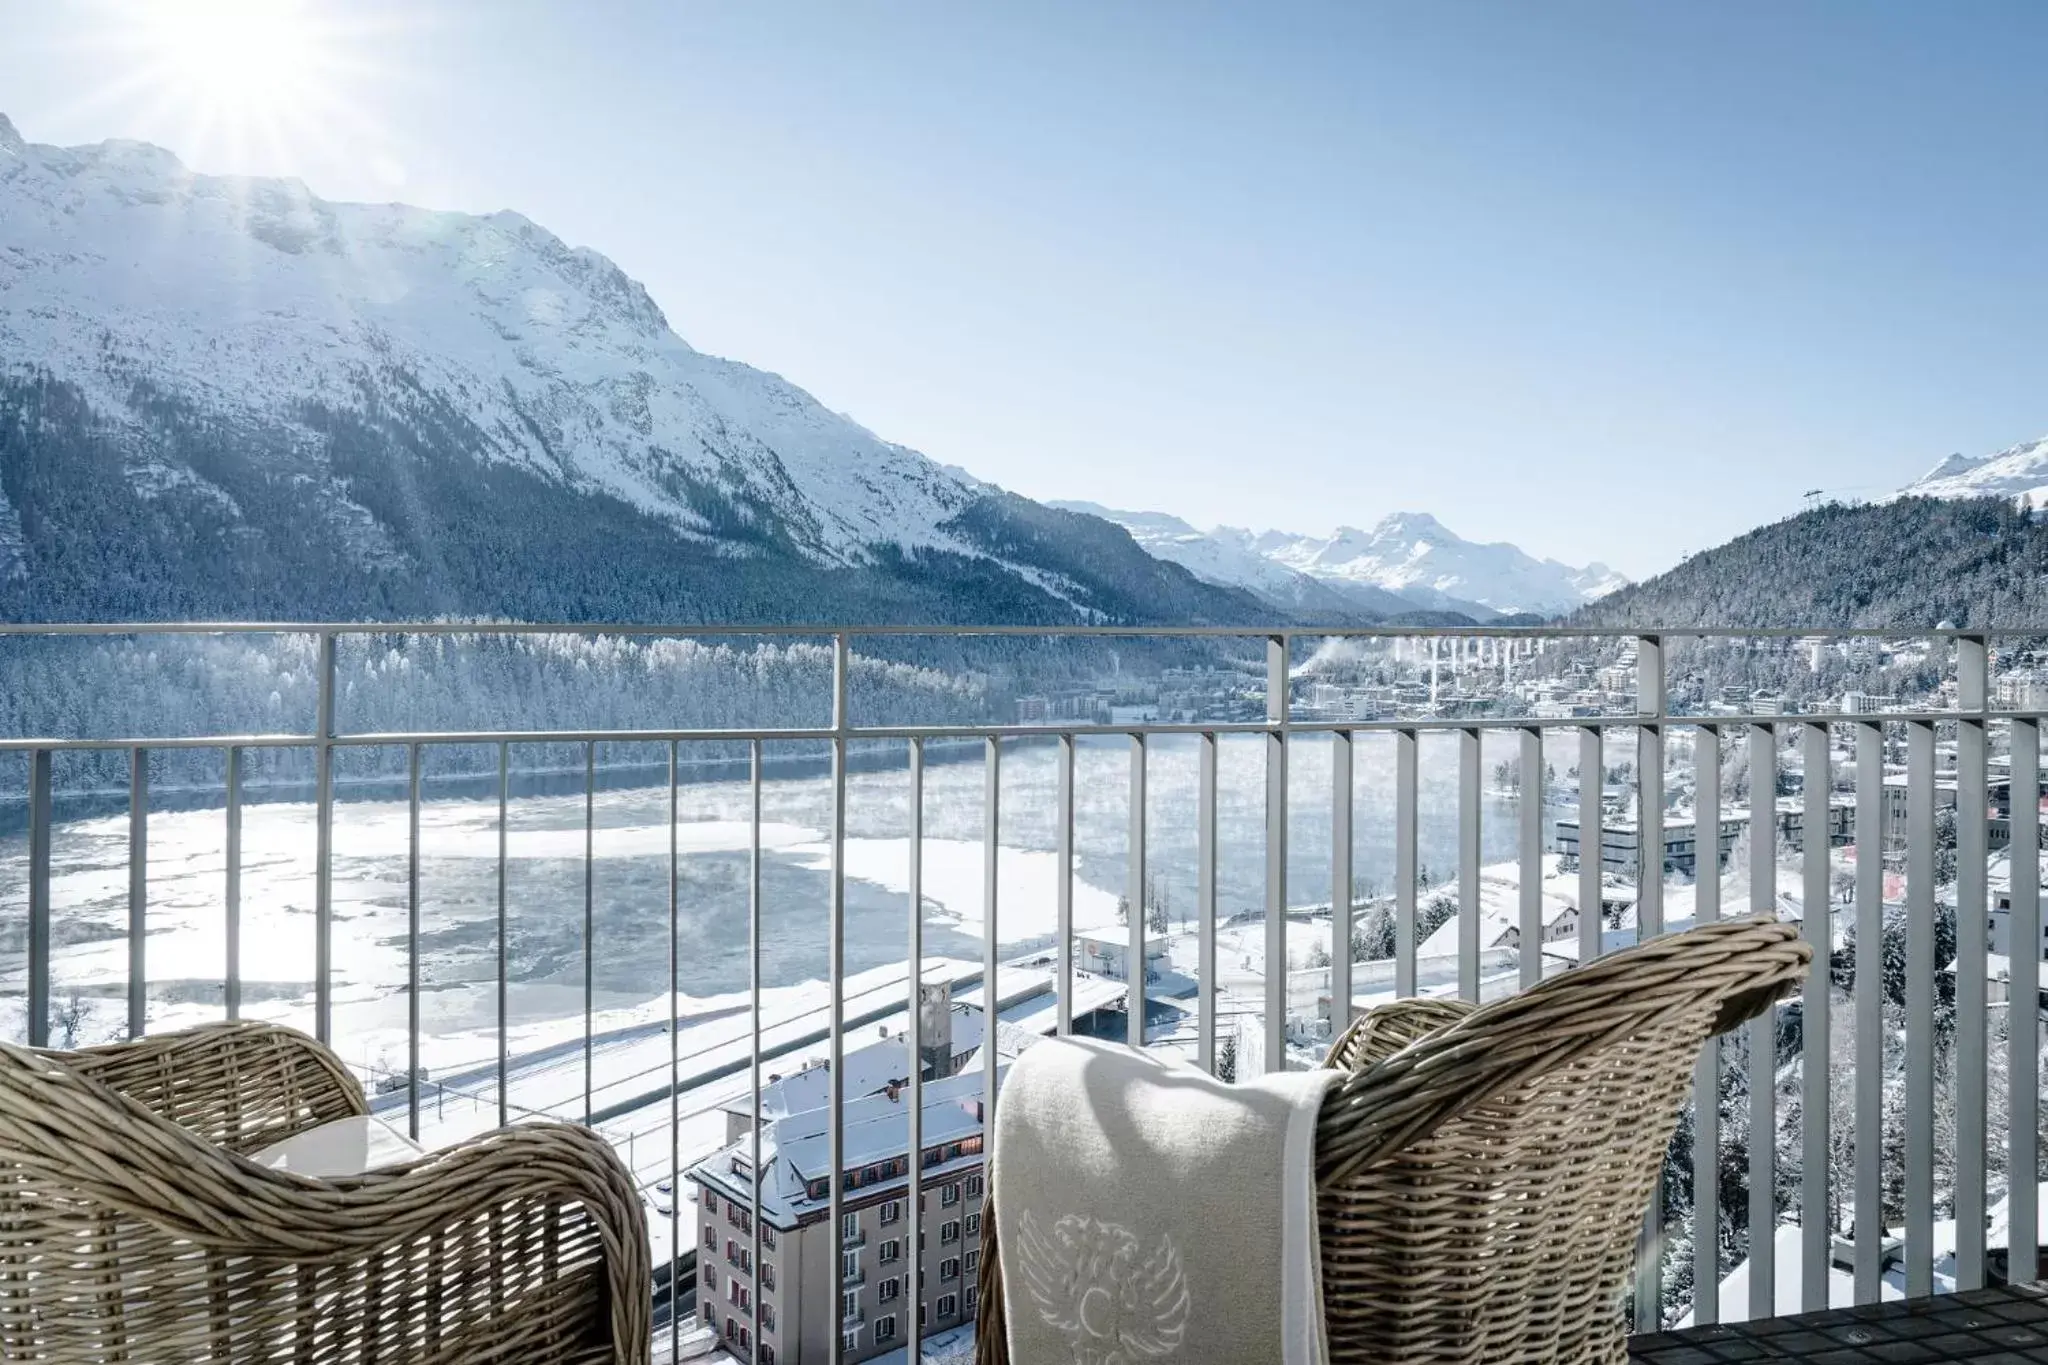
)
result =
(457, 1234)
(1375, 1112)
(241, 1085)
(1383, 1030)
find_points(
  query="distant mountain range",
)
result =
(1409, 561)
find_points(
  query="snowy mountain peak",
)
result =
(2019, 472)
(1409, 526)
(10, 140)
(1953, 465)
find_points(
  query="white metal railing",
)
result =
(1954, 710)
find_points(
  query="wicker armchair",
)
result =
(1484, 1170)
(134, 1228)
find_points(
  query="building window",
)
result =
(888, 1291)
(973, 1261)
(949, 1304)
(746, 1339)
(973, 1296)
(710, 1278)
(891, 1212)
(732, 1329)
(949, 1195)
(885, 1329)
(767, 1354)
(949, 1269)
(890, 1252)
(850, 1338)
(949, 1233)
(767, 1274)
(732, 1252)
(974, 1187)
(767, 1237)
(849, 1226)
(852, 1310)
(849, 1265)
(710, 1238)
(710, 1204)
(767, 1316)
(974, 1225)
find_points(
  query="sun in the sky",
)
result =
(250, 80)
(244, 59)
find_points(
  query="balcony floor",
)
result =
(2007, 1325)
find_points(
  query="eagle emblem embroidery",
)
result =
(1087, 1280)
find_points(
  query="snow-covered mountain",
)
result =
(409, 409)
(1410, 558)
(2019, 472)
(1215, 557)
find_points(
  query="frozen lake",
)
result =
(545, 885)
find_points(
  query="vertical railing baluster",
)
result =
(1869, 1004)
(1407, 855)
(323, 844)
(1135, 888)
(231, 984)
(1972, 1083)
(914, 1194)
(1205, 906)
(1919, 1008)
(755, 911)
(1650, 705)
(1064, 953)
(675, 1067)
(991, 861)
(39, 898)
(1340, 881)
(1816, 1069)
(1468, 863)
(1276, 852)
(2023, 1061)
(1706, 1084)
(589, 919)
(1763, 1031)
(138, 891)
(412, 942)
(1529, 850)
(504, 950)
(836, 971)
(1592, 840)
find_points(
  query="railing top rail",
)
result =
(827, 631)
(1051, 730)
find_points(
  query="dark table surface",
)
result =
(2007, 1325)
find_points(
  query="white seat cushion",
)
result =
(350, 1146)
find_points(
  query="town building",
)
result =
(1621, 840)
(783, 1303)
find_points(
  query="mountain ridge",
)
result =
(226, 395)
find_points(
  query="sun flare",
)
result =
(239, 59)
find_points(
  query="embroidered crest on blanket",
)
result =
(1088, 1280)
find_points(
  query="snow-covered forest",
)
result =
(180, 686)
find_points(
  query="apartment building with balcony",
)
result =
(893, 1268)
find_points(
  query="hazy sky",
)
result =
(1611, 280)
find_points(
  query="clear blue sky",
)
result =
(1611, 280)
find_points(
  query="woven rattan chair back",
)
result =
(133, 1227)
(1484, 1170)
